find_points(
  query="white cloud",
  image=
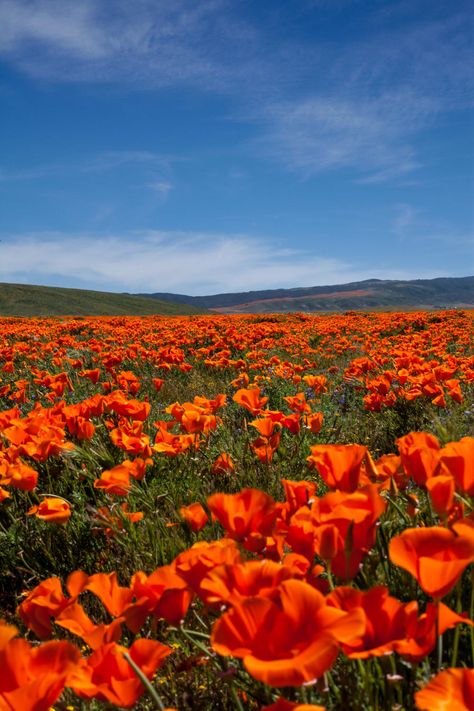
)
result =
(192, 263)
(367, 135)
(356, 105)
(100, 163)
(161, 188)
(147, 42)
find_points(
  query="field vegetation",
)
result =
(237, 512)
(30, 300)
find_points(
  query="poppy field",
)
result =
(237, 512)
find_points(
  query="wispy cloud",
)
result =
(178, 262)
(323, 133)
(101, 163)
(365, 106)
(406, 218)
(145, 43)
(161, 189)
(357, 105)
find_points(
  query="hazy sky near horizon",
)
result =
(226, 145)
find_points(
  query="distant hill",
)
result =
(26, 300)
(444, 292)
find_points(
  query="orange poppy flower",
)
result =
(450, 689)
(265, 426)
(223, 464)
(458, 458)
(52, 509)
(112, 519)
(289, 643)
(441, 490)
(265, 447)
(421, 631)
(42, 603)
(75, 619)
(107, 676)
(232, 583)
(298, 403)
(115, 480)
(195, 516)
(317, 383)
(106, 587)
(338, 464)
(33, 678)
(435, 556)
(163, 594)
(419, 452)
(194, 564)
(248, 516)
(385, 620)
(250, 399)
(298, 493)
(314, 422)
(21, 476)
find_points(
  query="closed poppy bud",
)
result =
(315, 422)
(441, 490)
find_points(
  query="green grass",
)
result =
(29, 300)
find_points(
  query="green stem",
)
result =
(238, 703)
(146, 682)
(457, 632)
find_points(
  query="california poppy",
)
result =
(52, 509)
(195, 516)
(338, 464)
(286, 643)
(450, 689)
(435, 556)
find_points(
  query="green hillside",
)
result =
(27, 300)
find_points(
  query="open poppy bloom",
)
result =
(385, 620)
(106, 587)
(52, 509)
(339, 464)
(163, 594)
(248, 516)
(450, 689)
(458, 458)
(421, 631)
(250, 399)
(107, 676)
(435, 556)
(33, 678)
(289, 642)
(42, 603)
(254, 578)
(420, 455)
(115, 480)
(75, 619)
(194, 564)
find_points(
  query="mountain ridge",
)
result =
(439, 292)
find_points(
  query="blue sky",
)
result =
(229, 145)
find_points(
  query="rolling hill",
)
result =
(26, 300)
(443, 292)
